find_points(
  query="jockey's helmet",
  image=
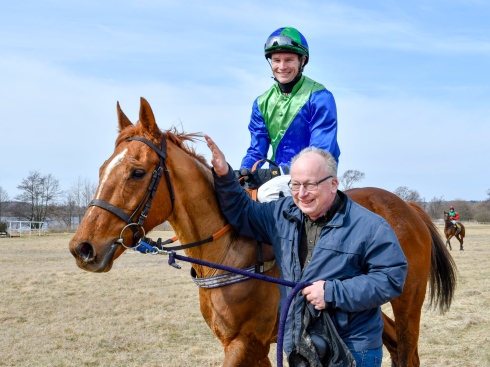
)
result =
(287, 39)
(451, 207)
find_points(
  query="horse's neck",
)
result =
(196, 214)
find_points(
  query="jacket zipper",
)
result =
(296, 261)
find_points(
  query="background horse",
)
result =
(450, 232)
(244, 316)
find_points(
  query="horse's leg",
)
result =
(448, 243)
(244, 317)
(462, 234)
(246, 353)
(389, 338)
(460, 239)
(407, 310)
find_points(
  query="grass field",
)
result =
(146, 313)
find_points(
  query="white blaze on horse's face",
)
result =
(112, 164)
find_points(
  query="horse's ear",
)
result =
(147, 119)
(122, 119)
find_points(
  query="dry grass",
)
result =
(146, 313)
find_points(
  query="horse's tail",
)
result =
(443, 271)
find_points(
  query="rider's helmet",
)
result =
(286, 39)
(451, 207)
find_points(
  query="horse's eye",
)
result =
(138, 173)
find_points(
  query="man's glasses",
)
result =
(309, 186)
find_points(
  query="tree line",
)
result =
(42, 199)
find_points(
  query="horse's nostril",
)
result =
(86, 251)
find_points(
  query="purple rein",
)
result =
(296, 288)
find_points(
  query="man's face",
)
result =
(285, 66)
(310, 167)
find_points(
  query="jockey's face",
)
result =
(285, 66)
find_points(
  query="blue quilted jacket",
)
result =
(357, 254)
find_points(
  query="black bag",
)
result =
(320, 345)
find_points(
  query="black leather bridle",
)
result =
(145, 202)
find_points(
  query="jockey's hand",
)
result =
(315, 294)
(218, 159)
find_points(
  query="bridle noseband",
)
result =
(145, 202)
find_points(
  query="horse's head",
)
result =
(447, 221)
(127, 203)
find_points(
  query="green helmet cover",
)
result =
(286, 39)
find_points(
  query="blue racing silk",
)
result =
(306, 117)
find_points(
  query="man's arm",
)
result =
(386, 270)
(249, 218)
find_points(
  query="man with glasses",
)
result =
(295, 113)
(351, 256)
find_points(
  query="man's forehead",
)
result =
(309, 162)
(284, 55)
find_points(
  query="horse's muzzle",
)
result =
(88, 258)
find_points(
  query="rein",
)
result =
(144, 244)
(247, 274)
(284, 313)
(147, 246)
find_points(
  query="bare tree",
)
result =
(88, 193)
(66, 211)
(408, 195)
(436, 207)
(4, 198)
(38, 193)
(481, 211)
(350, 177)
(79, 196)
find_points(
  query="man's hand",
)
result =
(315, 294)
(218, 159)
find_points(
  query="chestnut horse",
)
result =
(450, 232)
(244, 316)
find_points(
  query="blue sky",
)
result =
(411, 81)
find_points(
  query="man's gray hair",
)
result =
(330, 162)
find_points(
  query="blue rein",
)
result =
(284, 313)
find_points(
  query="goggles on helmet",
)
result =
(283, 41)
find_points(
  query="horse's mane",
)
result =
(179, 139)
(174, 136)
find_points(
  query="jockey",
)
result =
(295, 113)
(453, 216)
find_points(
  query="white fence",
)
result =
(19, 228)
